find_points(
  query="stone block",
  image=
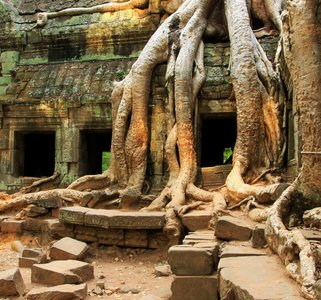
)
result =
(195, 287)
(28, 262)
(189, 260)
(68, 248)
(12, 226)
(31, 224)
(11, 283)
(258, 236)
(196, 220)
(64, 291)
(58, 230)
(199, 237)
(73, 215)
(136, 238)
(137, 220)
(62, 272)
(248, 277)
(157, 239)
(230, 228)
(32, 252)
(237, 251)
(98, 218)
(111, 237)
(86, 234)
(52, 201)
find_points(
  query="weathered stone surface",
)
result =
(11, 283)
(258, 236)
(137, 220)
(62, 272)
(87, 234)
(230, 228)
(111, 237)
(32, 252)
(189, 260)
(195, 287)
(50, 202)
(255, 277)
(28, 262)
(64, 291)
(312, 217)
(98, 218)
(12, 226)
(199, 237)
(237, 251)
(136, 238)
(310, 234)
(196, 219)
(31, 224)
(68, 248)
(157, 239)
(35, 211)
(73, 215)
(58, 230)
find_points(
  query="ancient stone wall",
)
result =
(58, 79)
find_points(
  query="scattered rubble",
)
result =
(11, 283)
(68, 248)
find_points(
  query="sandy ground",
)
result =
(127, 273)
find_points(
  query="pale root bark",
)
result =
(302, 34)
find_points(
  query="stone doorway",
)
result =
(94, 151)
(217, 139)
(34, 154)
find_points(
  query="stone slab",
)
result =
(12, 226)
(73, 215)
(62, 272)
(230, 228)
(199, 237)
(195, 287)
(11, 283)
(137, 220)
(255, 277)
(237, 251)
(68, 248)
(98, 218)
(64, 291)
(189, 260)
(196, 219)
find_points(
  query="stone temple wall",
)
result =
(59, 80)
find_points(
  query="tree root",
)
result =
(291, 246)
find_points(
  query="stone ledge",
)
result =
(114, 219)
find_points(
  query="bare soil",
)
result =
(127, 273)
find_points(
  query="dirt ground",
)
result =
(127, 273)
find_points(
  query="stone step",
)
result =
(250, 275)
(196, 219)
(114, 219)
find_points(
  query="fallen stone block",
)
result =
(255, 277)
(258, 236)
(62, 272)
(73, 215)
(32, 252)
(51, 202)
(195, 287)
(28, 262)
(12, 226)
(196, 219)
(189, 260)
(68, 248)
(11, 283)
(230, 228)
(64, 291)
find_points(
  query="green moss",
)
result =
(34, 61)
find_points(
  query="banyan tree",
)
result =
(260, 97)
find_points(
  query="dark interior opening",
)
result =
(35, 154)
(93, 147)
(218, 133)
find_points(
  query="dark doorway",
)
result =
(94, 152)
(218, 136)
(35, 153)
